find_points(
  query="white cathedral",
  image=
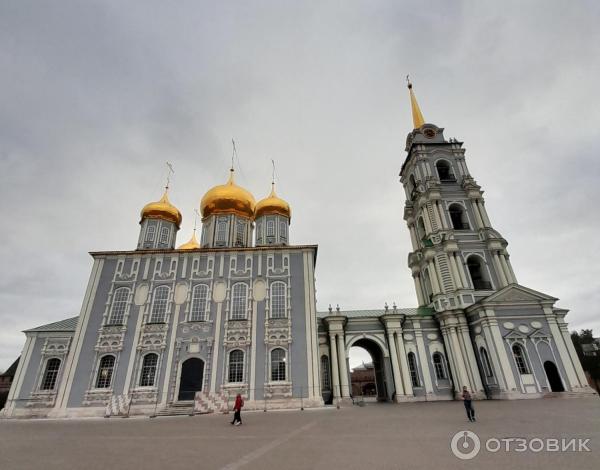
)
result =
(166, 330)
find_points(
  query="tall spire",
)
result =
(417, 116)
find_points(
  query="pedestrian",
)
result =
(237, 408)
(466, 396)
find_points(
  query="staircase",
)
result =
(586, 394)
(178, 408)
(210, 403)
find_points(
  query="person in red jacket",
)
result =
(237, 408)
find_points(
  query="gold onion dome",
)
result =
(273, 205)
(228, 198)
(192, 244)
(162, 209)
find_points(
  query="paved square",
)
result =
(377, 436)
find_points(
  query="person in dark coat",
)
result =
(466, 396)
(237, 408)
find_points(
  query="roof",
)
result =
(69, 324)
(378, 312)
(10, 372)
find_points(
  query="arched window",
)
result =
(278, 361)
(118, 307)
(105, 372)
(150, 233)
(520, 359)
(477, 271)
(159, 305)
(458, 217)
(259, 232)
(427, 285)
(439, 366)
(485, 361)
(421, 228)
(444, 171)
(325, 376)
(283, 231)
(50, 374)
(149, 366)
(236, 366)
(239, 300)
(221, 230)
(199, 303)
(164, 235)
(240, 233)
(412, 366)
(270, 228)
(278, 299)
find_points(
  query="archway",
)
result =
(192, 375)
(369, 371)
(553, 377)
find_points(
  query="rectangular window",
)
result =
(164, 235)
(240, 234)
(221, 231)
(270, 228)
(150, 233)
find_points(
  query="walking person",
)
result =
(466, 396)
(237, 408)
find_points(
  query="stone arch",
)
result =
(379, 353)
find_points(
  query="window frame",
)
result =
(236, 366)
(221, 231)
(276, 366)
(110, 372)
(237, 304)
(275, 298)
(521, 359)
(439, 367)
(164, 236)
(193, 303)
(325, 373)
(50, 375)
(110, 321)
(151, 368)
(413, 369)
(150, 233)
(153, 313)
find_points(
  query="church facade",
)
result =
(164, 329)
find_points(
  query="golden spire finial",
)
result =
(417, 116)
(273, 179)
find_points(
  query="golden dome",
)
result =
(192, 244)
(273, 205)
(228, 198)
(162, 209)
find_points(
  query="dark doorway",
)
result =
(369, 379)
(553, 377)
(192, 373)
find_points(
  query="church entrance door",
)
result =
(192, 375)
(553, 377)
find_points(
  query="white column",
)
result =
(461, 270)
(574, 357)
(467, 345)
(395, 368)
(335, 373)
(501, 351)
(458, 359)
(438, 205)
(413, 236)
(433, 278)
(454, 270)
(343, 366)
(404, 370)
(512, 273)
(419, 290)
(499, 270)
(562, 348)
(426, 220)
(507, 272)
(484, 214)
(216, 346)
(436, 214)
(423, 358)
(476, 212)
(171, 347)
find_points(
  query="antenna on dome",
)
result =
(233, 154)
(170, 171)
(196, 218)
(273, 174)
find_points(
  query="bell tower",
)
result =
(457, 257)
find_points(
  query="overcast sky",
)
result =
(96, 96)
